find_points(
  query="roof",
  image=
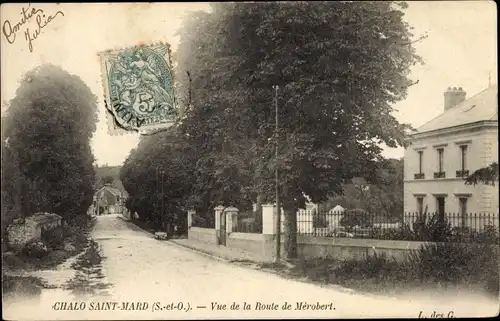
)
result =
(481, 107)
(119, 185)
(336, 209)
(113, 190)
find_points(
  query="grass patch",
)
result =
(279, 266)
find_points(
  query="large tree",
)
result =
(48, 127)
(340, 66)
(158, 178)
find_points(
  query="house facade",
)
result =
(109, 199)
(447, 149)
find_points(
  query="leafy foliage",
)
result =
(107, 171)
(384, 199)
(486, 175)
(456, 263)
(158, 178)
(339, 66)
(46, 134)
(107, 180)
(433, 265)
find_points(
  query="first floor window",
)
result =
(440, 159)
(463, 157)
(420, 160)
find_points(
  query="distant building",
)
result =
(447, 149)
(110, 199)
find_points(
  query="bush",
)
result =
(433, 264)
(404, 233)
(490, 235)
(455, 263)
(35, 249)
(54, 237)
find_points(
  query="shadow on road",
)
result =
(88, 279)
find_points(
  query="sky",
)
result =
(460, 51)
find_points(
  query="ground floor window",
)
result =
(462, 202)
(420, 204)
(441, 207)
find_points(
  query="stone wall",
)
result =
(20, 233)
(251, 242)
(310, 247)
(206, 235)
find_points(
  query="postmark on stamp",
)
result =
(138, 87)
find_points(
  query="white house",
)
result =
(449, 147)
(109, 199)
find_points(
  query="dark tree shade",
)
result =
(158, 177)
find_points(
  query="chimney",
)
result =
(453, 96)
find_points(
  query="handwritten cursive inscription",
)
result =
(10, 30)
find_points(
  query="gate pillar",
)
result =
(218, 211)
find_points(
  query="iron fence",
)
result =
(248, 222)
(432, 227)
(203, 221)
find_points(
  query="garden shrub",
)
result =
(489, 235)
(54, 238)
(455, 263)
(36, 249)
(441, 264)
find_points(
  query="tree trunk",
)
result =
(290, 232)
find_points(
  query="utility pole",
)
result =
(162, 200)
(278, 207)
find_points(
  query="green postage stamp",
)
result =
(139, 88)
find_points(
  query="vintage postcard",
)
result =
(249, 160)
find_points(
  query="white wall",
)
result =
(482, 150)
